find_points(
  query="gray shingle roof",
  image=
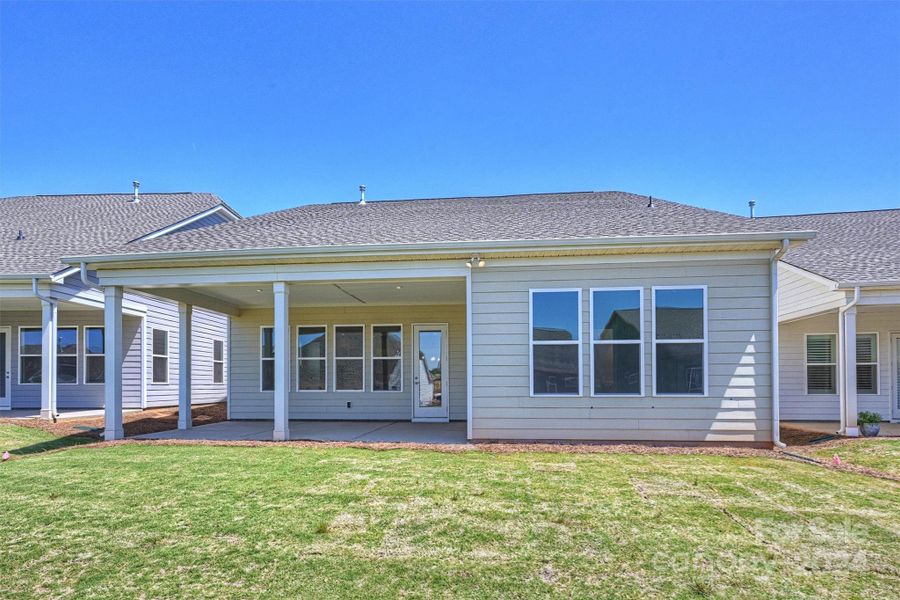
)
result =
(57, 226)
(564, 216)
(849, 246)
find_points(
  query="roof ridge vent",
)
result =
(137, 186)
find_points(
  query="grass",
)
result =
(21, 441)
(161, 521)
(881, 454)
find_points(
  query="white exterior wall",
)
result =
(796, 404)
(800, 295)
(248, 402)
(738, 405)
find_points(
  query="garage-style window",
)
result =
(387, 358)
(555, 339)
(311, 358)
(67, 355)
(30, 344)
(867, 363)
(266, 359)
(94, 355)
(160, 351)
(617, 342)
(821, 364)
(679, 341)
(349, 360)
(218, 361)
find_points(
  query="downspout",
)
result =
(842, 359)
(86, 281)
(51, 301)
(776, 368)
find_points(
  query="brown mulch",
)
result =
(135, 423)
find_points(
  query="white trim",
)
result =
(704, 341)
(445, 370)
(58, 354)
(84, 350)
(214, 361)
(143, 359)
(806, 364)
(229, 215)
(876, 364)
(639, 341)
(167, 356)
(259, 343)
(373, 358)
(895, 377)
(298, 358)
(336, 358)
(228, 376)
(532, 343)
(19, 354)
(63, 273)
(469, 361)
(6, 369)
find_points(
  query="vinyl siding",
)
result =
(247, 402)
(796, 404)
(801, 296)
(738, 405)
(213, 219)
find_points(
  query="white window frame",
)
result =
(336, 358)
(59, 354)
(300, 359)
(806, 364)
(259, 343)
(639, 341)
(167, 356)
(876, 364)
(214, 361)
(20, 355)
(373, 358)
(532, 342)
(84, 340)
(704, 340)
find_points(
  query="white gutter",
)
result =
(39, 295)
(86, 280)
(776, 367)
(842, 359)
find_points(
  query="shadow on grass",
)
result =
(54, 444)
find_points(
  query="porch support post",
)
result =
(469, 355)
(848, 387)
(113, 362)
(185, 312)
(281, 335)
(48, 359)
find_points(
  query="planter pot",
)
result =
(870, 429)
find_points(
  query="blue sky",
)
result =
(278, 104)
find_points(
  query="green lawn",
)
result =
(882, 454)
(217, 522)
(21, 441)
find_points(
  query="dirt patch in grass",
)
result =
(136, 423)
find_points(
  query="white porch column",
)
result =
(281, 335)
(185, 312)
(48, 359)
(112, 322)
(848, 385)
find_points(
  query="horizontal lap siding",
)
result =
(78, 395)
(798, 295)
(796, 404)
(247, 402)
(738, 407)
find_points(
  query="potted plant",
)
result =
(869, 423)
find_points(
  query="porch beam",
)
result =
(281, 335)
(113, 362)
(197, 299)
(48, 358)
(185, 313)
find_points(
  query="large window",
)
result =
(387, 358)
(311, 358)
(218, 361)
(867, 363)
(94, 355)
(679, 341)
(67, 355)
(349, 361)
(160, 352)
(555, 337)
(30, 345)
(821, 364)
(266, 359)
(616, 342)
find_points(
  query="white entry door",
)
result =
(5, 368)
(895, 373)
(431, 394)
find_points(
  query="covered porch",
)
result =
(321, 351)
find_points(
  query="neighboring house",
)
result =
(843, 285)
(594, 315)
(52, 314)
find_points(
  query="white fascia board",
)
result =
(26, 277)
(461, 248)
(887, 284)
(221, 208)
(62, 274)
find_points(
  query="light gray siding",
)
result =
(738, 405)
(801, 296)
(213, 219)
(248, 402)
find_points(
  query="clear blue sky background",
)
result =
(278, 104)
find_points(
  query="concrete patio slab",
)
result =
(325, 431)
(831, 427)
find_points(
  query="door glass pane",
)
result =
(679, 314)
(3, 365)
(429, 369)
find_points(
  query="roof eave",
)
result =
(885, 283)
